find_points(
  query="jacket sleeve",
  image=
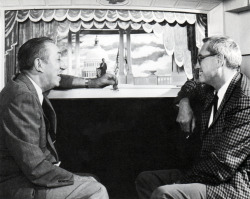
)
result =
(69, 82)
(66, 82)
(192, 90)
(22, 123)
(231, 150)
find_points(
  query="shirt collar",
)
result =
(223, 89)
(38, 90)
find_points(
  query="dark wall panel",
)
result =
(116, 139)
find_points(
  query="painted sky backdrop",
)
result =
(147, 51)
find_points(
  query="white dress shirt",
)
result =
(38, 90)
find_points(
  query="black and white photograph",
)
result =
(124, 99)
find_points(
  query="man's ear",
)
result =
(38, 65)
(221, 61)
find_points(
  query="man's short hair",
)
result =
(32, 49)
(226, 47)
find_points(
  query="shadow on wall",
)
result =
(245, 66)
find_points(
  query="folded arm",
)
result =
(190, 91)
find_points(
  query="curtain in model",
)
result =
(173, 28)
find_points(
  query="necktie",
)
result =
(50, 116)
(50, 119)
(215, 103)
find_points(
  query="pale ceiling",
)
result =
(178, 5)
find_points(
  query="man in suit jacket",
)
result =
(103, 67)
(223, 167)
(29, 164)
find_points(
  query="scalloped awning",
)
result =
(170, 27)
(105, 15)
(74, 20)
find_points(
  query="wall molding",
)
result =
(2, 46)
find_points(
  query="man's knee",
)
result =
(100, 190)
(180, 191)
(162, 192)
(103, 188)
(143, 177)
(87, 186)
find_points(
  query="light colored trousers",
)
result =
(161, 185)
(84, 187)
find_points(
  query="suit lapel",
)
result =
(50, 114)
(207, 111)
(227, 95)
(49, 117)
(209, 100)
(50, 120)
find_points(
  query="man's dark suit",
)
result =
(27, 153)
(103, 67)
(224, 164)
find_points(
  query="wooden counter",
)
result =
(124, 91)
